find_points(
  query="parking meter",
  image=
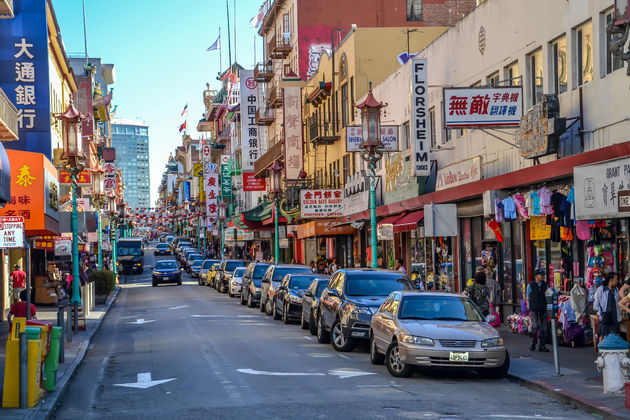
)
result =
(551, 295)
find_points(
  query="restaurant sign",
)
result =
(317, 204)
(459, 173)
(473, 107)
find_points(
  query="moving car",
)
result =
(166, 271)
(205, 268)
(195, 268)
(250, 291)
(236, 282)
(347, 303)
(226, 268)
(271, 280)
(162, 249)
(287, 301)
(435, 329)
(310, 301)
(131, 255)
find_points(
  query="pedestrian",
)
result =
(537, 303)
(18, 309)
(478, 293)
(311, 265)
(333, 266)
(606, 303)
(400, 266)
(19, 281)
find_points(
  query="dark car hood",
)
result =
(130, 258)
(371, 301)
(167, 271)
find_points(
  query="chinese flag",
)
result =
(182, 127)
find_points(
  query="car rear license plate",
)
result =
(458, 356)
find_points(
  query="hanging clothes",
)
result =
(509, 209)
(571, 200)
(535, 203)
(545, 201)
(578, 301)
(519, 199)
(498, 210)
(582, 230)
(529, 205)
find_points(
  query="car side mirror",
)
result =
(282, 288)
(491, 318)
(308, 294)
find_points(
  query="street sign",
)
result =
(11, 232)
(623, 201)
(206, 152)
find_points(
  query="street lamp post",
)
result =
(276, 191)
(222, 217)
(371, 152)
(98, 198)
(111, 207)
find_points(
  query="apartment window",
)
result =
(512, 75)
(535, 76)
(559, 64)
(613, 62)
(493, 79)
(414, 10)
(336, 111)
(584, 53)
(344, 105)
(432, 126)
(404, 137)
(346, 168)
(352, 98)
(286, 26)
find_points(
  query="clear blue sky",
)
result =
(159, 50)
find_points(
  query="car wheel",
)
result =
(376, 358)
(323, 336)
(395, 366)
(285, 314)
(268, 308)
(230, 294)
(498, 372)
(250, 302)
(154, 284)
(199, 281)
(242, 299)
(312, 326)
(274, 311)
(303, 324)
(338, 339)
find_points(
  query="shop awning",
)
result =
(390, 220)
(409, 222)
(322, 228)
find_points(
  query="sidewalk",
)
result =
(580, 384)
(74, 354)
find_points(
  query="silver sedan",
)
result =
(435, 329)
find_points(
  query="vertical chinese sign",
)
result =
(226, 178)
(292, 133)
(249, 129)
(24, 74)
(420, 118)
(211, 187)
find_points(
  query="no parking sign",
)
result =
(11, 232)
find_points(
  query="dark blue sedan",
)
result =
(166, 271)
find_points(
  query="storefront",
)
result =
(318, 239)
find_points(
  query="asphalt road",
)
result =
(226, 361)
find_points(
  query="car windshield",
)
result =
(239, 272)
(280, 272)
(376, 284)
(300, 282)
(443, 308)
(197, 263)
(259, 270)
(207, 264)
(166, 265)
(215, 266)
(184, 244)
(196, 257)
(231, 265)
(130, 248)
(162, 246)
(320, 288)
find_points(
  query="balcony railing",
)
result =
(223, 136)
(8, 119)
(322, 132)
(275, 97)
(263, 72)
(265, 117)
(279, 47)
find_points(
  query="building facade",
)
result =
(130, 138)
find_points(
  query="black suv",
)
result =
(348, 302)
(250, 292)
(222, 278)
(271, 280)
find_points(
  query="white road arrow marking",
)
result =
(179, 307)
(262, 372)
(141, 321)
(343, 374)
(144, 381)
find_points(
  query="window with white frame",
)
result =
(414, 10)
(432, 126)
(559, 64)
(613, 62)
(584, 53)
(534, 76)
(512, 75)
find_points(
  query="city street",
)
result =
(189, 352)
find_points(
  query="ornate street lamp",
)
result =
(371, 152)
(98, 197)
(276, 191)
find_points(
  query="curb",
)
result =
(44, 410)
(567, 397)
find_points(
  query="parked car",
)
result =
(195, 268)
(211, 273)
(271, 280)
(185, 253)
(181, 246)
(236, 282)
(205, 268)
(310, 301)
(250, 291)
(435, 329)
(347, 303)
(162, 249)
(287, 301)
(222, 278)
(166, 271)
(181, 252)
(191, 259)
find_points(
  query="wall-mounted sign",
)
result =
(293, 159)
(317, 204)
(539, 230)
(540, 128)
(11, 232)
(389, 138)
(109, 184)
(249, 129)
(459, 173)
(385, 232)
(623, 201)
(284, 243)
(483, 107)
(251, 183)
(211, 187)
(83, 178)
(226, 178)
(420, 117)
(109, 168)
(600, 187)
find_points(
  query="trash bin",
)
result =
(52, 361)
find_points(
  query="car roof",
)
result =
(290, 265)
(429, 292)
(322, 276)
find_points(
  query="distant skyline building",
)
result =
(130, 138)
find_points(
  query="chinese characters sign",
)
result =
(83, 178)
(24, 74)
(540, 128)
(12, 232)
(483, 107)
(420, 118)
(251, 183)
(292, 132)
(211, 187)
(597, 188)
(249, 129)
(316, 204)
(389, 138)
(226, 178)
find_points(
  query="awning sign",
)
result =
(597, 186)
(11, 232)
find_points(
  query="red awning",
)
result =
(409, 222)
(391, 220)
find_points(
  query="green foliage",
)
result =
(103, 281)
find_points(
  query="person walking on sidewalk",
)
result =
(19, 281)
(606, 303)
(537, 304)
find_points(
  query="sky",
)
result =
(159, 52)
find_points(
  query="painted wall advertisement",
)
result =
(597, 189)
(292, 132)
(389, 138)
(420, 118)
(483, 107)
(24, 74)
(317, 204)
(249, 129)
(459, 173)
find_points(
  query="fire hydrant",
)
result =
(613, 362)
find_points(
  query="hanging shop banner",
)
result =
(226, 178)
(539, 230)
(420, 118)
(597, 189)
(109, 184)
(283, 243)
(292, 133)
(483, 107)
(84, 178)
(385, 232)
(389, 138)
(186, 186)
(316, 204)
(46, 243)
(206, 151)
(459, 173)
(63, 246)
(212, 193)
(11, 232)
(249, 129)
(540, 128)
(251, 183)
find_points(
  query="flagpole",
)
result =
(227, 9)
(220, 53)
(234, 13)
